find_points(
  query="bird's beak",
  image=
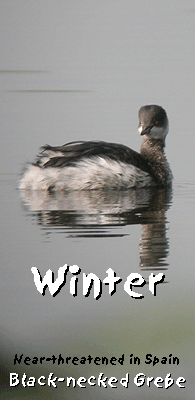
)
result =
(144, 130)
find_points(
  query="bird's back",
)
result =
(71, 153)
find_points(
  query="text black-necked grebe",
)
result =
(97, 164)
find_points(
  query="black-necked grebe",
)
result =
(97, 164)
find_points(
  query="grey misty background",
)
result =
(126, 54)
(80, 70)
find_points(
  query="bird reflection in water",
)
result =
(98, 213)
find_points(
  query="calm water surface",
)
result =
(81, 70)
(134, 231)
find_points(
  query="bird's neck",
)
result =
(152, 151)
(151, 148)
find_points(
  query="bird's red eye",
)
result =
(155, 122)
